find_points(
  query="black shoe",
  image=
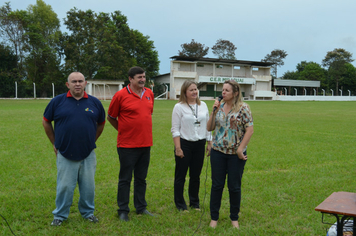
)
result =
(124, 216)
(145, 212)
(93, 219)
(56, 222)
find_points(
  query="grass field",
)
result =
(299, 154)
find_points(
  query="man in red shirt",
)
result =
(130, 113)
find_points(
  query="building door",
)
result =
(209, 91)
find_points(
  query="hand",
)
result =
(241, 155)
(208, 148)
(208, 151)
(216, 106)
(179, 152)
(55, 150)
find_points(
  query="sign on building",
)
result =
(218, 80)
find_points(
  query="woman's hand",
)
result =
(216, 106)
(208, 148)
(241, 155)
(179, 152)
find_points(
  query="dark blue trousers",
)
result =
(222, 165)
(136, 161)
(193, 159)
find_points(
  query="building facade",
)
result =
(210, 73)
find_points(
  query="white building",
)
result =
(210, 73)
(103, 89)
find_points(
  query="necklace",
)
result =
(194, 111)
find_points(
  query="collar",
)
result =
(130, 91)
(69, 95)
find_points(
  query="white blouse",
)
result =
(190, 124)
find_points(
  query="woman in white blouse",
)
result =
(189, 119)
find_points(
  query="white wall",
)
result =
(315, 98)
(103, 89)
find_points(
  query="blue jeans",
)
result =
(136, 161)
(221, 165)
(69, 173)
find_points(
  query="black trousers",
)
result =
(136, 161)
(221, 165)
(194, 160)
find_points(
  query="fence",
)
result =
(22, 90)
(315, 97)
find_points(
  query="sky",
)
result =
(305, 29)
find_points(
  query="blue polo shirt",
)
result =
(75, 124)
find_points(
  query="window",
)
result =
(219, 66)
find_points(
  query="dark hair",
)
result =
(135, 70)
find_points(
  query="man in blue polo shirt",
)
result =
(79, 120)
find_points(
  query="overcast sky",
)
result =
(305, 29)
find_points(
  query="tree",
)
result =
(81, 46)
(276, 57)
(145, 54)
(224, 49)
(335, 62)
(313, 71)
(193, 49)
(42, 44)
(12, 29)
(115, 44)
(301, 66)
(308, 71)
(348, 80)
(102, 46)
(8, 70)
(8, 60)
(291, 75)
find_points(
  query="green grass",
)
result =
(299, 154)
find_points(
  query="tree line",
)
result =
(223, 49)
(102, 46)
(335, 71)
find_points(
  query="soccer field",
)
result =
(299, 154)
